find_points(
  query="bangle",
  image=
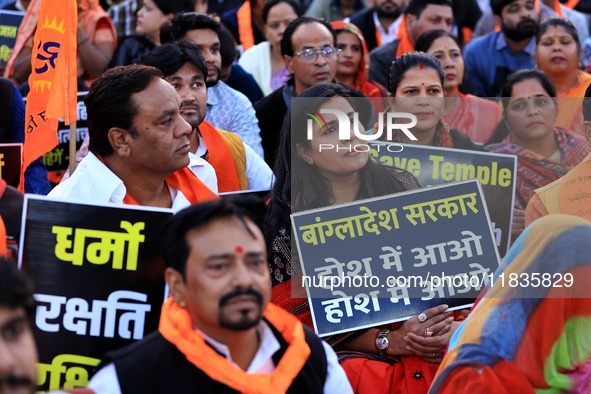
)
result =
(82, 41)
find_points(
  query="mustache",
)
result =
(15, 381)
(216, 68)
(194, 106)
(527, 22)
(240, 292)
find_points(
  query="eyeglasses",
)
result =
(309, 55)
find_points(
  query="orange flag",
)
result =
(52, 81)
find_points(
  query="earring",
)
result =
(182, 304)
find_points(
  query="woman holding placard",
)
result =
(397, 356)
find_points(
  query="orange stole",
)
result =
(176, 327)
(245, 33)
(220, 157)
(570, 112)
(404, 45)
(188, 183)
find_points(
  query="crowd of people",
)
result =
(184, 106)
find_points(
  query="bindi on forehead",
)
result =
(239, 249)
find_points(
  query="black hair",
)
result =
(180, 24)
(568, 26)
(175, 6)
(524, 75)
(502, 131)
(497, 6)
(109, 103)
(299, 185)
(228, 50)
(171, 57)
(174, 239)
(287, 45)
(297, 7)
(426, 39)
(16, 290)
(416, 7)
(408, 61)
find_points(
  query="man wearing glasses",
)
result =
(309, 53)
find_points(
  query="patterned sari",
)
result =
(535, 171)
(523, 338)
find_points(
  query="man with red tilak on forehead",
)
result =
(218, 332)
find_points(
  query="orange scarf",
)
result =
(220, 157)
(245, 33)
(176, 326)
(404, 44)
(571, 4)
(188, 183)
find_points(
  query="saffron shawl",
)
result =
(535, 171)
(529, 339)
(474, 116)
(570, 111)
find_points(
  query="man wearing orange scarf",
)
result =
(218, 332)
(419, 17)
(139, 150)
(236, 165)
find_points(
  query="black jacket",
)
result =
(364, 21)
(380, 61)
(154, 365)
(131, 50)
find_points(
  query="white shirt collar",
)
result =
(390, 35)
(262, 361)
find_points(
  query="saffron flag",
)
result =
(53, 82)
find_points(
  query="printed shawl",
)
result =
(535, 171)
(523, 338)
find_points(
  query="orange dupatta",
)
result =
(570, 112)
(404, 44)
(245, 33)
(571, 4)
(176, 326)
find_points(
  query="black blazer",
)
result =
(364, 21)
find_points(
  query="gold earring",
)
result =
(182, 304)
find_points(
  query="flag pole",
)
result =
(72, 145)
